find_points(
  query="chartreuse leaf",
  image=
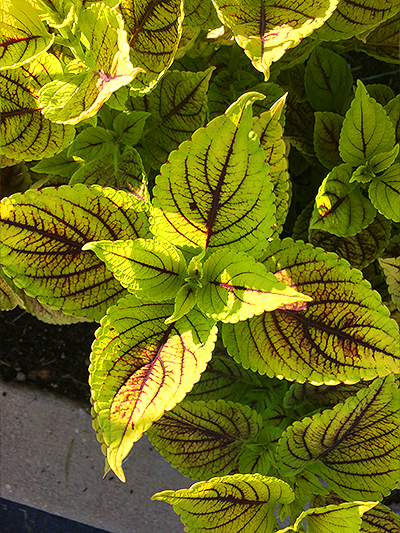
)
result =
(384, 193)
(25, 132)
(23, 36)
(378, 519)
(129, 126)
(269, 129)
(178, 107)
(391, 270)
(367, 130)
(242, 502)
(326, 138)
(384, 160)
(358, 341)
(201, 13)
(392, 109)
(328, 80)
(355, 445)
(214, 191)
(265, 31)
(354, 18)
(57, 13)
(235, 287)
(141, 367)
(77, 96)
(345, 517)
(92, 143)
(205, 439)
(359, 250)
(154, 30)
(8, 298)
(147, 268)
(320, 397)
(340, 207)
(185, 300)
(383, 42)
(42, 237)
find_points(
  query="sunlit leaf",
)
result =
(8, 298)
(242, 502)
(358, 341)
(92, 143)
(129, 126)
(57, 13)
(384, 193)
(322, 396)
(355, 444)
(42, 237)
(214, 191)
(265, 31)
(236, 287)
(391, 270)
(204, 439)
(23, 36)
(392, 108)
(201, 13)
(345, 517)
(383, 42)
(378, 519)
(141, 367)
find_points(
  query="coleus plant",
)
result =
(170, 234)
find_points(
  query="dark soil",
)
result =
(50, 356)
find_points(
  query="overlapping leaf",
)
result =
(340, 207)
(214, 191)
(391, 270)
(201, 13)
(141, 367)
(23, 36)
(354, 18)
(320, 397)
(266, 31)
(147, 268)
(357, 341)
(178, 107)
(326, 138)
(384, 193)
(356, 444)
(25, 132)
(154, 30)
(366, 131)
(378, 519)
(42, 237)
(242, 502)
(204, 439)
(359, 250)
(57, 13)
(8, 298)
(392, 108)
(129, 126)
(77, 96)
(236, 287)
(383, 42)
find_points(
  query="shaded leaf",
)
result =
(322, 396)
(213, 192)
(60, 164)
(366, 131)
(8, 298)
(356, 443)
(345, 517)
(384, 193)
(340, 207)
(358, 341)
(383, 161)
(129, 126)
(204, 439)
(326, 138)
(42, 237)
(383, 94)
(242, 502)
(393, 111)
(141, 367)
(92, 143)
(391, 270)
(23, 36)
(383, 42)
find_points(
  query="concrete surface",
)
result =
(37, 431)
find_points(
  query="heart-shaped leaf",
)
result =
(43, 233)
(384, 193)
(214, 191)
(358, 341)
(242, 502)
(235, 287)
(141, 367)
(356, 444)
(345, 517)
(204, 439)
(147, 268)
(23, 36)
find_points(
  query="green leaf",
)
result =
(92, 143)
(242, 502)
(326, 138)
(354, 18)
(178, 107)
(8, 298)
(393, 111)
(150, 269)
(201, 13)
(383, 94)
(60, 164)
(345, 517)
(214, 191)
(391, 270)
(141, 367)
(123, 172)
(185, 300)
(358, 341)
(265, 31)
(383, 42)
(25, 133)
(204, 439)
(384, 193)
(328, 80)
(57, 13)
(42, 237)
(129, 126)
(23, 36)
(359, 250)
(355, 445)
(154, 30)
(77, 96)
(378, 519)
(340, 207)
(366, 131)
(235, 287)
(384, 160)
